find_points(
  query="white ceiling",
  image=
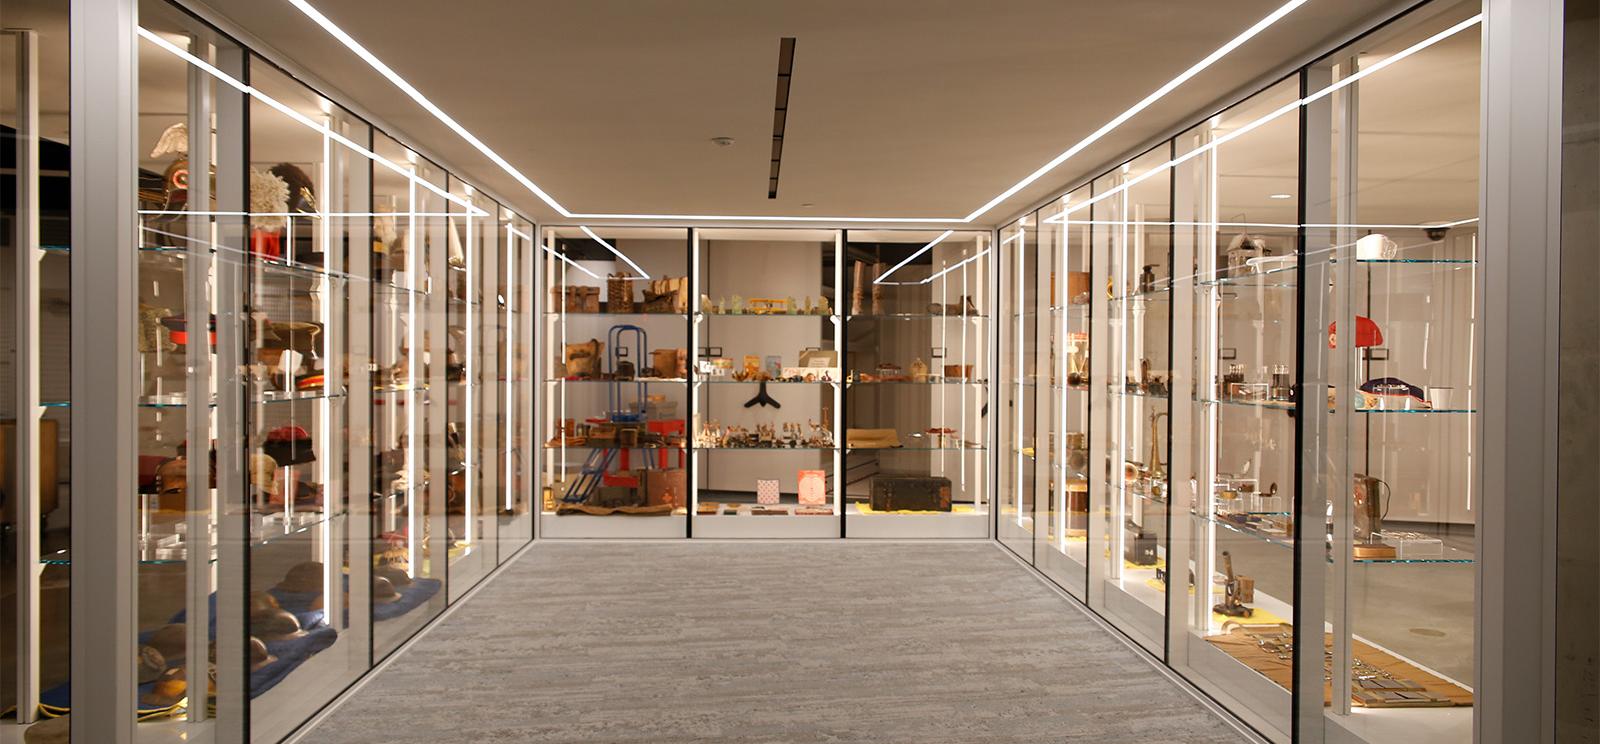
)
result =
(900, 108)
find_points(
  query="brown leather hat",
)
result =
(151, 664)
(383, 592)
(275, 625)
(259, 655)
(396, 575)
(172, 641)
(303, 577)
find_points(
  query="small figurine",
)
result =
(822, 306)
(919, 370)
(722, 305)
(737, 306)
(706, 306)
(790, 307)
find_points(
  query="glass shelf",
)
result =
(1423, 261)
(916, 449)
(299, 523)
(915, 316)
(710, 381)
(1272, 405)
(1283, 277)
(652, 447)
(170, 557)
(766, 449)
(1279, 540)
(1131, 394)
(402, 388)
(769, 316)
(678, 316)
(974, 383)
(1385, 411)
(1163, 294)
(640, 381)
(296, 269)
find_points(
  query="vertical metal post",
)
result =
(1519, 205)
(26, 466)
(1318, 478)
(1189, 347)
(232, 507)
(353, 178)
(197, 416)
(104, 75)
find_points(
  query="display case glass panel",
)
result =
(516, 391)
(178, 268)
(1236, 224)
(916, 366)
(471, 371)
(1061, 547)
(1392, 274)
(409, 258)
(767, 383)
(297, 294)
(615, 387)
(1132, 205)
(35, 359)
(1018, 378)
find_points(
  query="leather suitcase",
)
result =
(910, 493)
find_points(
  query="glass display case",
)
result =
(614, 419)
(472, 244)
(1061, 548)
(36, 263)
(1392, 272)
(517, 325)
(1132, 208)
(767, 390)
(916, 370)
(1234, 429)
(409, 264)
(1017, 338)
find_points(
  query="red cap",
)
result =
(1367, 333)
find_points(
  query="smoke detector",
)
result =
(722, 141)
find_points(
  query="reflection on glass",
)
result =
(615, 425)
(1394, 226)
(1018, 330)
(918, 322)
(768, 455)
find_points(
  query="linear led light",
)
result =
(378, 65)
(1285, 109)
(416, 95)
(913, 257)
(613, 249)
(1149, 100)
(317, 127)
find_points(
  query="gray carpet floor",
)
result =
(768, 642)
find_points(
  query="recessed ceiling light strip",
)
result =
(400, 82)
(1157, 95)
(315, 126)
(613, 249)
(1281, 111)
(421, 100)
(913, 257)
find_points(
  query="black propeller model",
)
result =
(763, 399)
